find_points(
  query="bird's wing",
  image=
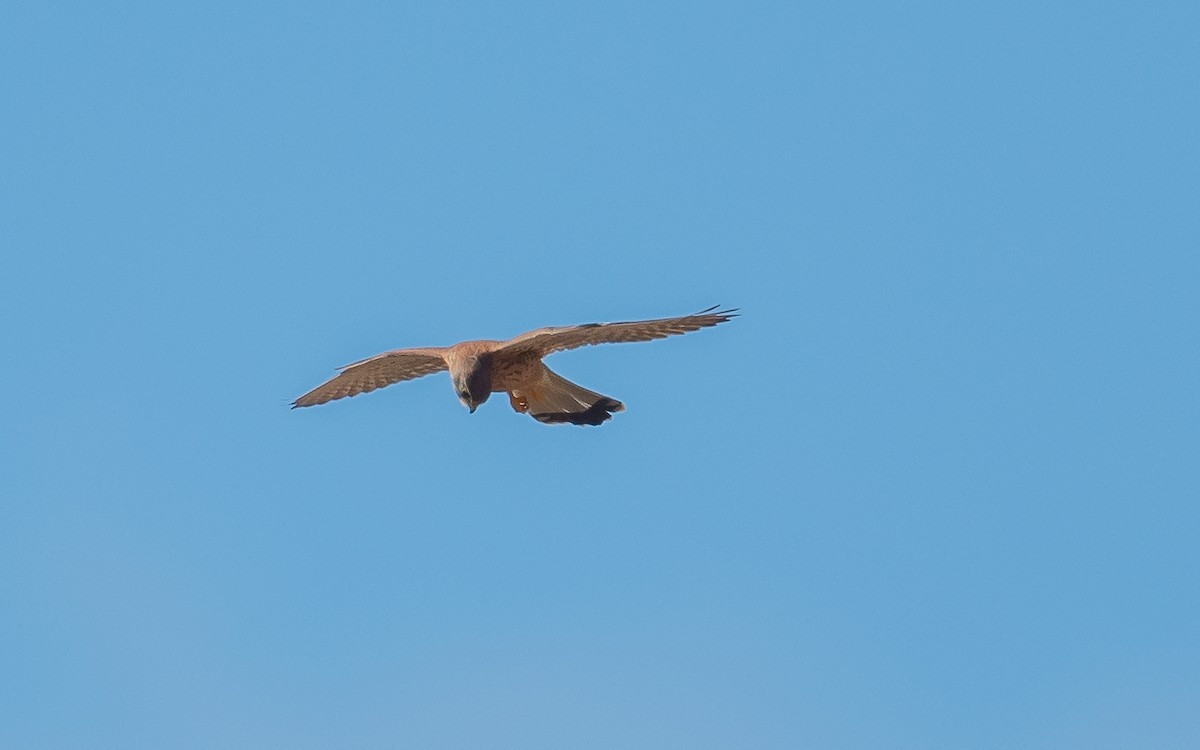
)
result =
(547, 340)
(366, 375)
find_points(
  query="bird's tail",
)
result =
(554, 399)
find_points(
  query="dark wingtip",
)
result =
(717, 311)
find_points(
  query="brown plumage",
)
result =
(480, 368)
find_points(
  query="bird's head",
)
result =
(473, 386)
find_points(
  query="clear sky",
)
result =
(936, 488)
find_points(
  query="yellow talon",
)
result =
(518, 402)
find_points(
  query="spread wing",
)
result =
(366, 375)
(547, 340)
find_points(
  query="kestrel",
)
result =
(481, 368)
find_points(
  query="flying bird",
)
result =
(481, 368)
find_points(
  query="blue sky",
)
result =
(936, 488)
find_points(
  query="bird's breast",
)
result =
(510, 373)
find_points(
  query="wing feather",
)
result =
(384, 369)
(545, 341)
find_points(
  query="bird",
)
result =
(481, 368)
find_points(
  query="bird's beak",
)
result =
(472, 407)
